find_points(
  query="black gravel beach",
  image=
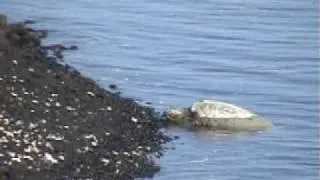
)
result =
(57, 124)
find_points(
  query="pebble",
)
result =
(61, 157)
(28, 149)
(16, 159)
(35, 101)
(105, 161)
(107, 133)
(91, 93)
(69, 108)
(133, 119)
(115, 153)
(49, 145)
(15, 62)
(11, 154)
(95, 140)
(50, 159)
(55, 137)
(33, 125)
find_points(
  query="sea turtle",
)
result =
(218, 115)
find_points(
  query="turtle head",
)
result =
(178, 115)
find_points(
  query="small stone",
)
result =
(109, 108)
(35, 101)
(107, 133)
(91, 93)
(30, 69)
(50, 159)
(113, 86)
(19, 122)
(136, 164)
(133, 119)
(49, 145)
(14, 94)
(17, 159)
(69, 108)
(28, 149)
(28, 157)
(8, 134)
(55, 137)
(15, 62)
(115, 153)
(11, 154)
(58, 104)
(105, 161)
(33, 125)
(61, 157)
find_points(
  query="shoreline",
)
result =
(57, 124)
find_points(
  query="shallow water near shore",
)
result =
(260, 55)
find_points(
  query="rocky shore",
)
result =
(57, 124)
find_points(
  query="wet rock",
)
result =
(113, 86)
(3, 21)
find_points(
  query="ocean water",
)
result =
(262, 55)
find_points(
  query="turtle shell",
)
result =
(219, 110)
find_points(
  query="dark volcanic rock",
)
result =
(57, 124)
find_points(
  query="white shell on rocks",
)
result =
(219, 110)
